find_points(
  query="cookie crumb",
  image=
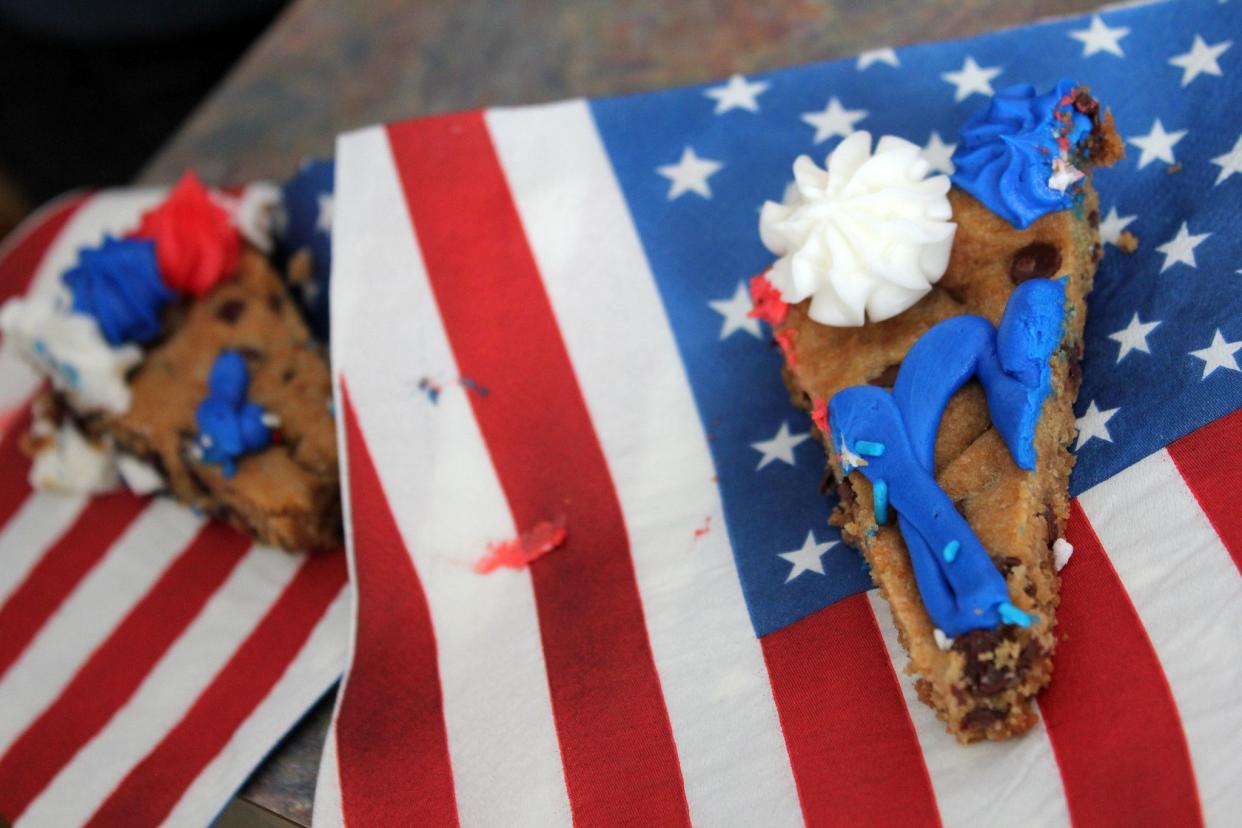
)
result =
(1174, 169)
(1127, 242)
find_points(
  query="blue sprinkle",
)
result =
(879, 497)
(1012, 615)
(950, 551)
(868, 448)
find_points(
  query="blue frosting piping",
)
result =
(961, 586)
(1007, 149)
(229, 425)
(119, 284)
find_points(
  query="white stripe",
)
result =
(35, 526)
(167, 692)
(1020, 775)
(733, 759)
(33, 222)
(1186, 589)
(306, 679)
(133, 563)
(108, 211)
(438, 477)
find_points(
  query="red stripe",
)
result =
(153, 787)
(109, 677)
(21, 261)
(391, 740)
(1109, 711)
(61, 568)
(14, 481)
(1210, 461)
(855, 754)
(616, 741)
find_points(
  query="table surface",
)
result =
(326, 66)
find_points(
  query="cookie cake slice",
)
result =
(933, 328)
(178, 362)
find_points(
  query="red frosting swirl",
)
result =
(196, 244)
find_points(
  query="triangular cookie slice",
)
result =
(1033, 215)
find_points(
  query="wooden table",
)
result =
(327, 66)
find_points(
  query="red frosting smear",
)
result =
(766, 301)
(196, 244)
(785, 339)
(531, 545)
(704, 529)
(819, 415)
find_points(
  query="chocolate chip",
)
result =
(1008, 563)
(887, 377)
(275, 302)
(230, 311)
(1038, 260)
(983, 677)
(1093, 218)
(1050, 523)
(1074, 374)
(286, 375)
(251, 354)
(982, 717)
(1097, 252)
(976, 642)
(1030, 654)
(993, 681)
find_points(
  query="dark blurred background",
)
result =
(90, 89)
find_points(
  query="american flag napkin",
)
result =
(540, 313)
(149, 659)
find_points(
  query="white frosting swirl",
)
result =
(864, 238)
(70, 349)
(69, 463)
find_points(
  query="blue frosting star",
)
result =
(1008, 150)
(229, 425)
(119, 284)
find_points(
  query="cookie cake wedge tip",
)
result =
(932, 326)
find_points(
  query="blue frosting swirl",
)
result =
(1007, 149)
(119, 284)
(891, 437)
(229, 425)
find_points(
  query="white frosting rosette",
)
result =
(70, 349)
(70, 463)
(865, 238)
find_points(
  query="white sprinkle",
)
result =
(1061, 552)
(271, 420)
(942, 640)
(850, 460)
(206, 441)
(1064, 174)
